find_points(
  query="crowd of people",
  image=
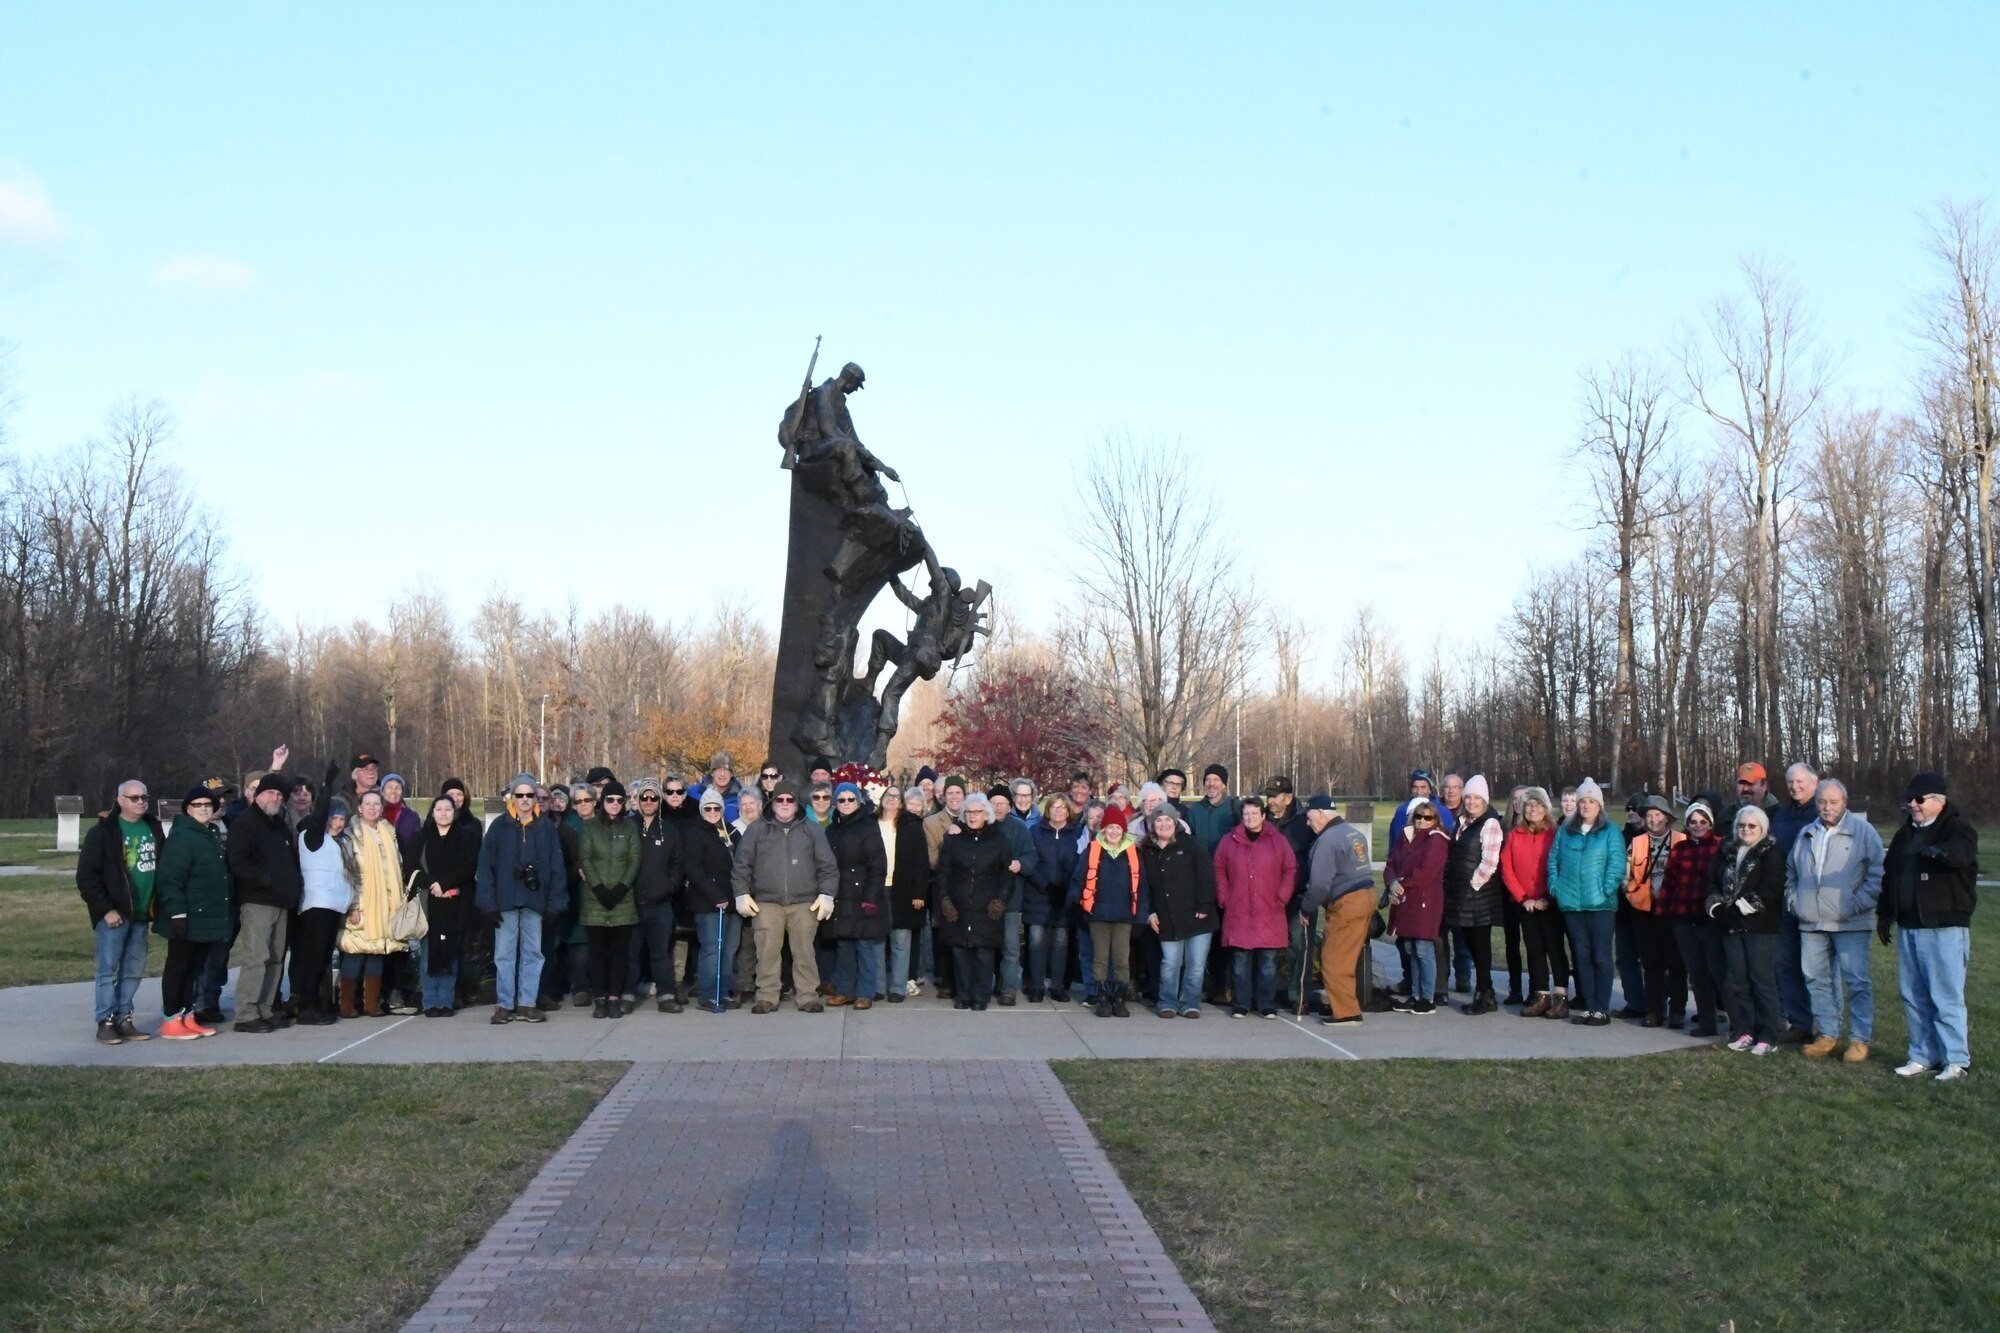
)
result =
(1748, 919)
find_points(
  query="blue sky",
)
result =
(516, 294)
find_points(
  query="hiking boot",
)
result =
(1677, 1019)
(176, 1029)
(626, 1005)
(1103, 1004)
(763, 1008)
(600, 1009)
(1482, 1003)
(1118, 1009)
(1856, 1053)
(1558, 1006)
(501, 1016)
(1539, 1007)
(130, 1032)
(1819, 1047)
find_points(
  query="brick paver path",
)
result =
(919, 1195)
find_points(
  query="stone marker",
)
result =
(69, 819)
(491, 807)
(167, 811)
(1361, 814)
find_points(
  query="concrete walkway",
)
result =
(51, 1025)
(915, 1195)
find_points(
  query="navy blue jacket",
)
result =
(510, 848)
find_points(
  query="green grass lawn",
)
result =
(288, 1197)
(1669, 1192)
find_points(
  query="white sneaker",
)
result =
(1912, 1069)
(1742, 1043)
(1762, 1048)
(912, 989)
(1952, 1073)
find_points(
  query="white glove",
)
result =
(823, 907)
(1743, 906)
(745, 905)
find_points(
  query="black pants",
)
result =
(608, 946)
(178, 983)
(1548, 965)
(1751, 987)
(312, 957)
(1660, 956)
(974, 969)
(1477, 943)
(1510, 930)
(1700, 944)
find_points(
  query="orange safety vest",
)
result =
(1131, 855)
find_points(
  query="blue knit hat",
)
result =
(847, 788)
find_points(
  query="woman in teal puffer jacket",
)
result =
(1586, 872)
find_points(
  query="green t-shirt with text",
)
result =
(142, 858)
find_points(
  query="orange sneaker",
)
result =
(176, 1029)
(196, 1029)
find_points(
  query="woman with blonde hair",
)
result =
(366, 941)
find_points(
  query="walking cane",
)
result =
(721, 921)
(1305, 962)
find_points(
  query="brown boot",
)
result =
(1539, 1007)
(1558, 1006)
(347, 990)
(371, 997)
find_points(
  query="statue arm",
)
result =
(905, 596)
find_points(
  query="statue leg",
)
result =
(886, 648)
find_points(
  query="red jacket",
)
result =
(1253, 884)
(1417, 863)
(1685, 891)
(1524, 863)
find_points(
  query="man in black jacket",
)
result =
(1929, 893)
(1284, 812)
(114, 873)
(264, 880)
(656, 891)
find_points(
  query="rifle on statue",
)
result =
(805, 392)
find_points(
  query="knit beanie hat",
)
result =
(611, 789)
(1215, 770)
(1476, 786)
(1114, 816)
(1588, 790)
(1701, 806)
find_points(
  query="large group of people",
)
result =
(1748, 920)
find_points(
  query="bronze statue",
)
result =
(847, 543)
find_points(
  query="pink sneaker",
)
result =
(176, 1029)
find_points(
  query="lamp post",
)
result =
(542, 747)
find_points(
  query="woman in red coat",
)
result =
(1255, 874)
(1415, 876)
(1524, 869)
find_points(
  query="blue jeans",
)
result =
(1794, 991)
(1420, 967)
(1930, 964)
(215, 972)
(1836, 961)
(1048, 955)
(1262, 964)
(354, 965)
(857, 968)
(1010, 953)
(1084, 954)
(439, 990)
(121, 961)
(1631, 967)
(655, 936)
(718, 935)
(1590, 935)
(517, 957)
(899, 961)
(1183, 964)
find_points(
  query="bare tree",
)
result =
(1162, 628)
(1628, 422)
(1758, 379)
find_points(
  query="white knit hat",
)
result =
(1588, 790)
(1476, 786)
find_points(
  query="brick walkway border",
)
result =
(1154, 1283)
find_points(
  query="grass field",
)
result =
(287, 1197)
(1670, 1192)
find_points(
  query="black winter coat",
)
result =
(660, 874)
(1464, 905)
(100, 866)
(706, 857)
(1055, 862)
(1760, 881)
(972, 877)
(1929, 875)
(1299, 833)
(1182, 884)
(264, 861)
(913, 876)
(861, 902)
